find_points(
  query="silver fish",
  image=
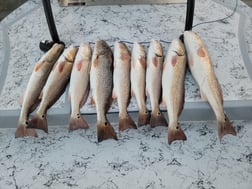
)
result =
(101, 81)
(33, 90)
(79, 86)
(54, 87)
(153, 82)
(174, 88)
(202, 70)
(137, 77)
(121, 80)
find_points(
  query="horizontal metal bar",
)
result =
(193, 111)
(115, 2)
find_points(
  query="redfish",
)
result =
(33, 90)
(101, 81)
(54, 87)
(79, 86)
(174, 88)
(153, 82)
(202, 70)
(137, 77)
(121, 80)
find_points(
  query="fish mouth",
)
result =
(179, 54)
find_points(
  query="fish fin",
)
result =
(108, 104)
(143, 118)
(35, 105)
(77, 123)
(175, 133)
(126, 123)
(105, 131)
(203, 96)
(157, 119)
(22, 131)
(92, 101)
(39, 122)
(132, 93)
(225, 128)
(163, 104)
(114, 96)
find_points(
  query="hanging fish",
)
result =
(137, 77)
(54, 87)
(121, 80)
(153, 82)
(202, 70)
(101, 80)
(79, 86)
(35, 85)
(174, 88)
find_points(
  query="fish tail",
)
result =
(126, 123)
(157, 119)
(105, 131)
(39, 122)
(175, 132)
(77, 123)
(143, 118)
(225, 127)
(22, 131)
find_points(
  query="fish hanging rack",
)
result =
(47, 44)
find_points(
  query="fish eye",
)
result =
(106, 123)
(43, 116)
(159, 113)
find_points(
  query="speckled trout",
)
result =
(174, 88)
(137, 77)
(121, 80)
(202, 70)
(54, 87)
(35, 85)
(153, 82)
(79, 86)
(101, 81)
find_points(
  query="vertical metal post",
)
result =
(50, 20)
(189, 14)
